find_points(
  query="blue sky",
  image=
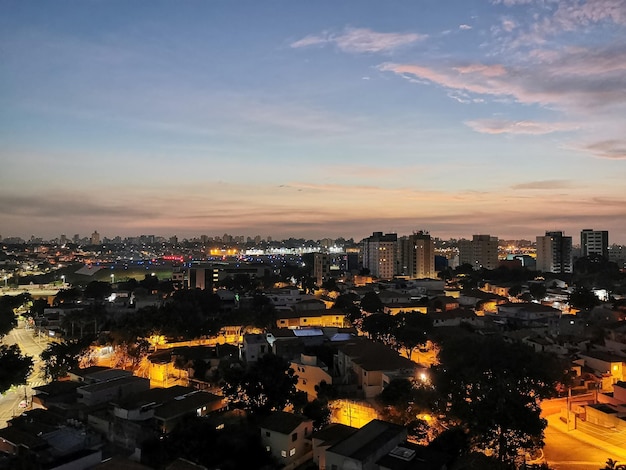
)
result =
(325, 118)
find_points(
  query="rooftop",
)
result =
(282, 422)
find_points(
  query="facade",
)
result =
(479, 252)
(310, 371)
(416, 256)
(362, 449)
(327, 265)
(554, 253)
(379, 254)
(594, 242)
(287, 437)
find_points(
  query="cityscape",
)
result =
(313, 235)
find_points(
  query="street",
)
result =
(30, 346)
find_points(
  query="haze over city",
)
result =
(313, 119)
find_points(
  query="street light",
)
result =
(112, 278)
(5, 281)
(62, 279)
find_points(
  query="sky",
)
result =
(312, 119)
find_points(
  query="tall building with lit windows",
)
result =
(554, 253)
(379, 254)
(594, 242)
(416, 256)
(479, 252)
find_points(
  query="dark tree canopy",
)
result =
(98, 290)
(371, 303)
(495, 388)
(61, 358)
(14, 367)
(583, 299)
(196, 439)
(411, 330)
(8, 304)
(267, 385)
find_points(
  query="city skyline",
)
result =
(286, 119)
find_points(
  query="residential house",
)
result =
(362, 449)
(310, 371)
(325, 438)
(371, 365)
(287, 437)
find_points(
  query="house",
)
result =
(371, 365)
(455, 317)
(409, 456)
(527, 313)
(287, 437)
(310, 371)
(312, 318)
(102, 392)
(325, 438)
(254, 346)
(47, 440)
(362, 449)
(609, 366)
(483, 302)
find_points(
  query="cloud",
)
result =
(613, 149)
(575, 79)
(545, 184)
(465, 27)
(503, 126)
(360, 40)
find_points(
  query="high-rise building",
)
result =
(95, 238)
(554, 253)
(594, 242)
(416, 256)
(379, 254)
(327, 265)
(479, 252)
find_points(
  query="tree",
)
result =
(98, 290)
(583, 299)
(61, 358)
(14, 367)
(267, 385)
(8, 304)
(494, 388)
(371, 303)
(196, 439)
(318, 411)
(379, 326)
(411, 330)
(515, 290)
(67, 296)
(537, 290)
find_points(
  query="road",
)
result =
(582, 447)
(30, 346)
(564, 451)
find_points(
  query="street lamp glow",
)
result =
(63, 279)
(5, 281)
(112, 278)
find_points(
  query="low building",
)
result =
(371, 365)
(362, 449)
(287, 437)
(310, 371)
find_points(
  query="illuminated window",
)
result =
(283, 453)
(292, 452)
(615, 367)
(268, 448)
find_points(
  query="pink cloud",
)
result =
(359, 40)
(503, 126)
